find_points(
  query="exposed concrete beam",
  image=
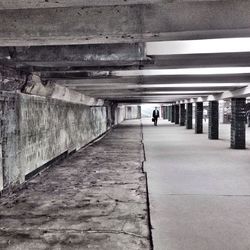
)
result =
(242, 92)
(111, 57)
(103, 81)
(112, 24)
(220, 78)
(132, 94)
(138, 88)
(152, 98)
(199, 60)
(94, 52)
(75, 55)
(85, 66)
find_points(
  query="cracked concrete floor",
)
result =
(95, 199)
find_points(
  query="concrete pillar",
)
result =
(199, 118)
(238, 123)
(182, 114)
(173, 113)
(169, 113)
(177, 114)
(189, 116)
(114, 107)
(138, 112)
(213, 120)
(165, 112)
(248, 118)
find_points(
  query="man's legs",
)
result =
(156, 121)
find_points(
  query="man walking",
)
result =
(156, 115)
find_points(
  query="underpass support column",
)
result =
(177, 114)
(182, 114)
(248, 118)
(238, 123)
(189, 116)
(113, 113)
(169, 113)
(173, 113)
(164, 112)
(213, 120)
(199, 118)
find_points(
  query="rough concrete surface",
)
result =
(96, 199)
(35, 130)
(199, 189)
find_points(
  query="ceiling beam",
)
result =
(238, 93)
(75, 55)
(137, 88)
(68, 78)
(199, 60)
(112, 57)
(127, 23)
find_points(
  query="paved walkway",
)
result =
(199, 189)
(96, 199)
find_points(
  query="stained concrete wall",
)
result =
(120, 114)
(132, 112)
(35, 130)
(1, 160)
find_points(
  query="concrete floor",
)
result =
(199, 189)
(96, 199)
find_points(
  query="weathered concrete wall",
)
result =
(133, 112)
(117, 113)
(1, 159)
(126, 112)
(36, 130)
(10, 136)
(120, 114)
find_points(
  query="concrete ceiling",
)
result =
(80, 44)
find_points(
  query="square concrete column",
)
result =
(165, 112)
(248, 119)
(238, 123)
(213, 120)
(182, 114)
(170, 113)
(173, 113)
(189, 116)
(177, 114)
(199, 118)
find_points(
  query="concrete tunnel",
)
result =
(82, 166)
